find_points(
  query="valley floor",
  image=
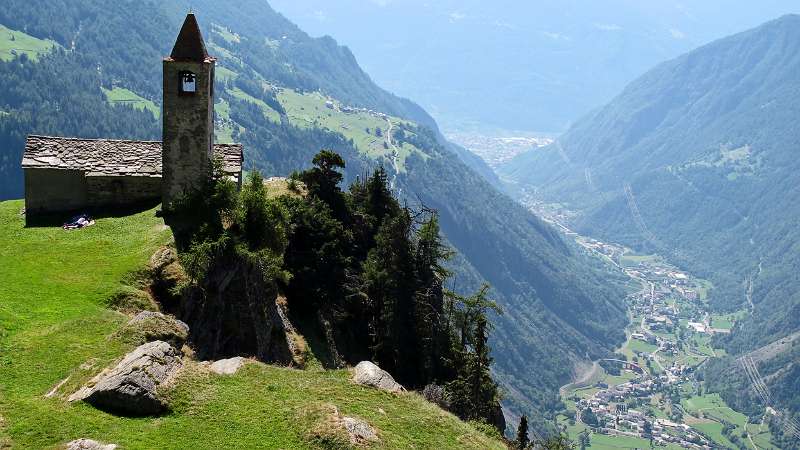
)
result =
(649, 396)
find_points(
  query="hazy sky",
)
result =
(525, 64)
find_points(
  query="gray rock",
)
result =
(88, 444)
(368, 374)
(155, 326)
(163, 257)
(438, 395)
(130, 387)
(227, 366)
(360, 431)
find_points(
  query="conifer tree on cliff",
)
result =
(522, 434)
(389, 284)
(473, 393)
(432, 333)
(484, 389)
(323, 181)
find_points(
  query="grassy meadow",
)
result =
(14, 43)
(54, 328)
(122, 96)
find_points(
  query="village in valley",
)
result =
(647, 394)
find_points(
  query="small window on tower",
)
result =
(188, 83)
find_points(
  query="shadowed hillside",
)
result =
(697, 161)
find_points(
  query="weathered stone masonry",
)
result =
(188, 113)
(70, 174)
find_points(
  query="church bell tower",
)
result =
(188, 118)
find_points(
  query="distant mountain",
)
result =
(698, 160)
(285, 96)
(524, 65)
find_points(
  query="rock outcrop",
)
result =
(360, 431)
(437, 395)
(167, 276)
(234, 311)
(227, 366)
(89, 444)
(131, 386)
(368, 374)
(149, 326)
(497, 418)
(163, 257)
(337, 430)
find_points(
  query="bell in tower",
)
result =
(188, 118)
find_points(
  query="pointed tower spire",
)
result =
(190, 45)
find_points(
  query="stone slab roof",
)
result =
(108, 157)
(190, 46)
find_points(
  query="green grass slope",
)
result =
(122, 96)
(14, 43)
(54, 326)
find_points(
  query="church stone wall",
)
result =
(104, 191)
(53, 190)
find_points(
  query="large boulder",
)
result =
(369, 374)
(89, 444)
(131, 386)
(149, 326)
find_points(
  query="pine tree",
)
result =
(389, 284)
(432, 333)
(473, 391)
(484, 388)
(323, 181)
(261, 221)
(522, 434)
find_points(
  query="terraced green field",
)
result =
(727, 321)
(761, 436)
(121, 96)
(224, 126)
(629, 260)
(369, 132)
(223, 74)
(636, 345)
(14, 43)
(269, 113)
(713, 412)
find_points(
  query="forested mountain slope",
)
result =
(285, 96)
(697, 160)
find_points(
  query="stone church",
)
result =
(70, 174)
